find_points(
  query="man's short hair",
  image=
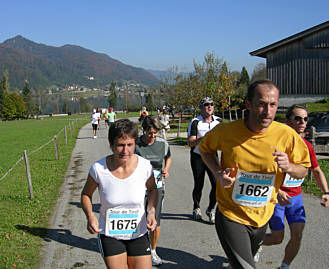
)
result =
(151, 121)
(290, 111)
(254, 86)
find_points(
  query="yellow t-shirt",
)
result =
(252, 153)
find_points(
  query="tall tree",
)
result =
(64, 107)
(4, 88)
(244, 77)
(149, 102)
(112, 98)
(28, 100)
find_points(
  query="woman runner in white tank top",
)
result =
(122, 179)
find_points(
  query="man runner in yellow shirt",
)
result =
(256, 154)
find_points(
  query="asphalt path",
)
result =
(184, 243)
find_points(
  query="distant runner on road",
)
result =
(257, 152)
(122, 180)
(94, 121)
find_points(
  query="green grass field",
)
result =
(23, 222)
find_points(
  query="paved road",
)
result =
(184, 243)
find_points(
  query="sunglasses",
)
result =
(208, 104)
(299, 118)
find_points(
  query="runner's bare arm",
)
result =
(321, 181)
(165, 170)
(152, 198)
(193, 141)
(294, 170)
(283, 198)
(211, 160)
(86, 204)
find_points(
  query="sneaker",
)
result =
(197, 214)
(284, 266)
(211, 215)
(95, 136)
(156, 260)
(257, 255)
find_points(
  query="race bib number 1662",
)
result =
(253, 189)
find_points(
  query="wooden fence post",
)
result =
(312, 141)
(243, 113)
(28, 175)
(230, 114)
(70, 130)
(56, 146)
(178, 129)
(65, 133)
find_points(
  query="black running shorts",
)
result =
(110, 246)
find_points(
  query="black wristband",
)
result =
(326, 193)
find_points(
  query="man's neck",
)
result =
(253, 128)
(207, 118)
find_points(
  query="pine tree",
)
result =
(244, 77)
(4, 89)
(112, 98)
(29, 102)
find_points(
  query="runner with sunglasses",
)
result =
(290, 196)
(197, 128)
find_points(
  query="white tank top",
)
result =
(118, 193)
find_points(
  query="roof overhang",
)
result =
(263, 51)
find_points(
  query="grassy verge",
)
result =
(23, 222)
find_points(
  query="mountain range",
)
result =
(42, 66)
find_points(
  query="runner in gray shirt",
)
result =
(157, 151)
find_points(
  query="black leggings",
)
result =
(199, 169)
(240, 242)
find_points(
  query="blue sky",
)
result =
(161, 34)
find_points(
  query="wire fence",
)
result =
(34, 151)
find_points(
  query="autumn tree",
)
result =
(210, 78)
(13, 106)
(188, 92)
(216, 80)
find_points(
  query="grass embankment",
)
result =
(23, 222)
